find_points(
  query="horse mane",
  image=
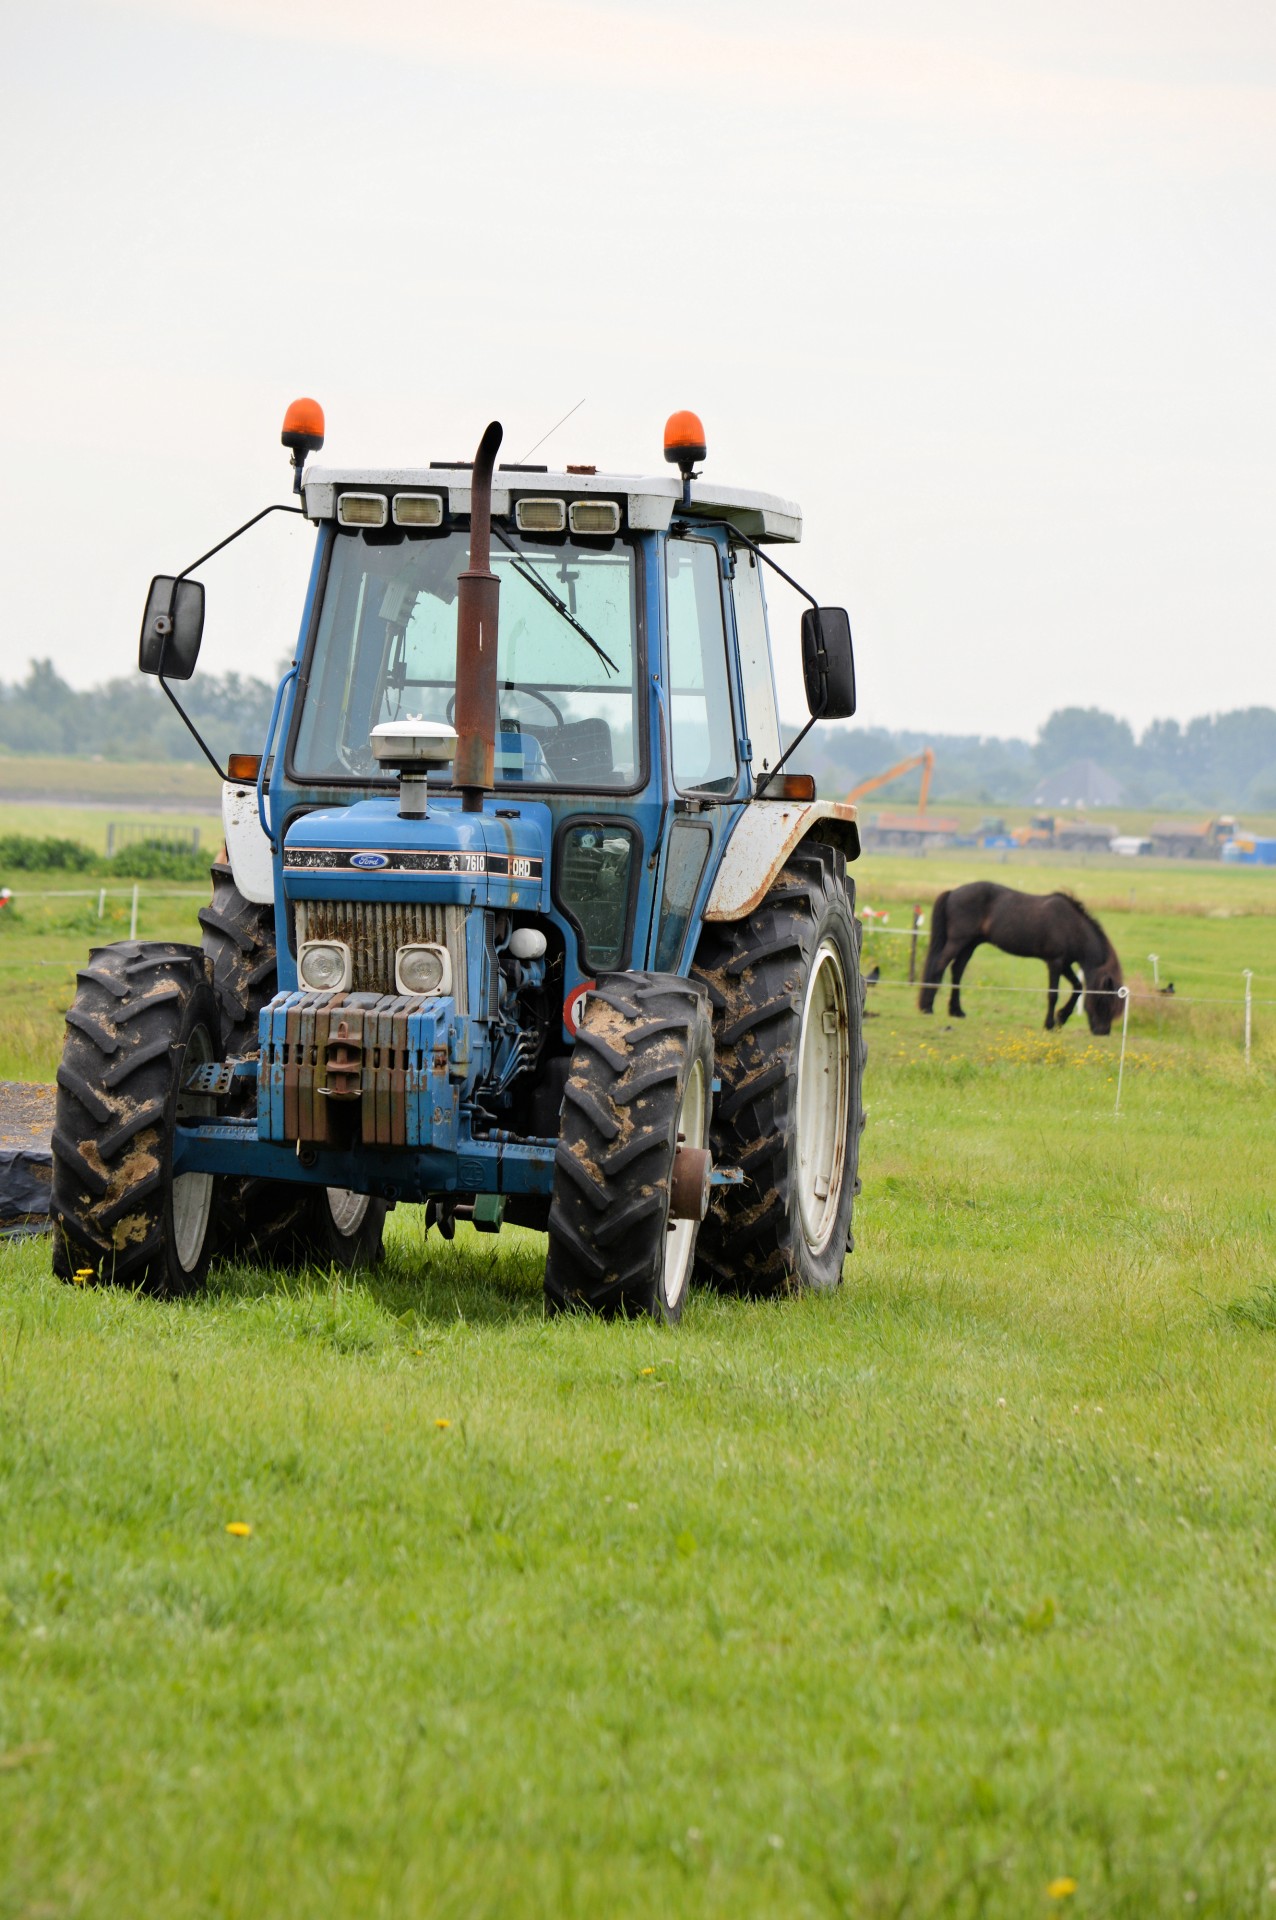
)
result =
(1086, 915)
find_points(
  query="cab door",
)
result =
(706, 765)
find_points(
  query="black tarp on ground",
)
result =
(26, 1163)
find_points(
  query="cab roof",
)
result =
(650, 503)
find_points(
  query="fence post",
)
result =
(101, 903)
(1124, 993)
(918, 917)
(1156, 972)
(1249, 1006)
(132, 925)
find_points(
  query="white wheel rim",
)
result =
(348, 1209)
(680, 1239)
(193, 1192)
(823, 1097)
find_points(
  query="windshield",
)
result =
(386, 649)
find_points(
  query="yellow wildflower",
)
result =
(1060, 1889)
(82, 1274)
(443, 1423)
(240, 1529)
(647, 1370)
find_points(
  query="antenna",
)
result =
(554, 429)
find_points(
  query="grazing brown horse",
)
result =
(1052, 927)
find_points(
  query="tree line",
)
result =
(1222, 760)
(1225, 760)
(129, 718)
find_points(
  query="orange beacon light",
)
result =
(302, 434)
(684, 445)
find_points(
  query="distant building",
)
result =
(1082, 783)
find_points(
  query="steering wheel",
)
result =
(516, 686)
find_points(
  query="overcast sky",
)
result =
(989, 290)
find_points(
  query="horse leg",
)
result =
(1070, 975)
(955, 1009)
(934, 978)
(1052, 994)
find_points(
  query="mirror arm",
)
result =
(190, 726)
(764, 780)
(742, 539)
(275, 507)
(187, 722)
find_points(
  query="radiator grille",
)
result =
(374, 930)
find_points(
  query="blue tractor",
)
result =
(528, 925)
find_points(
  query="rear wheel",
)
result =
(788, 1009)
(313, 1226)
(282, 1221)
(639, 1088)
(143, 1019)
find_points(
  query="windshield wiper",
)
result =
(560, 606)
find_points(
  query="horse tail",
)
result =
(938, 940)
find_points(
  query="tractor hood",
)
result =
(497, 858)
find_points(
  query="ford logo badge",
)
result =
(369, 860)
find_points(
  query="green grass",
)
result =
(27, 780)
(907, 1601)
(47, 933)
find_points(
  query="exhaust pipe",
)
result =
(478, 593)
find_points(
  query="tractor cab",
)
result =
(635, 707)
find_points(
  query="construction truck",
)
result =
(1202, 840)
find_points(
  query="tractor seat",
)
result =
(579, 751)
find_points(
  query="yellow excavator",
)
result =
(925, 760)
(905, 829)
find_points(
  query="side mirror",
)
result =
(170, 639)
(828, 663)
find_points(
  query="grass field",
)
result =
(26, 781)
(951, 1594)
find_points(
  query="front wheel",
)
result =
(638, 1093)
(143, 1020)
(788, 1008)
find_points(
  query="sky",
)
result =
(988, 290)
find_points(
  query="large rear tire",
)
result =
(143, 1018)
(278, 1221)
(788, 1016)
(640, 1084)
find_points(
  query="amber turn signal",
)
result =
(244, 766)
(793, 786)
(303, 427)
(684, 439)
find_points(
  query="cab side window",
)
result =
(701, 720)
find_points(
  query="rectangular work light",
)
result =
(417, 509)
(594, 516)
(362, 510)
(540, 516)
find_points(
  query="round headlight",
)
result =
(422, 970)
(321, 965)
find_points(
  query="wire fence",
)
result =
(100, 893)
(1159, 997)
(134, 893)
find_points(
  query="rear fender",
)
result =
(767, 833)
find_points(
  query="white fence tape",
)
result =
(1150, 999)
(1125, 1028)
(104, 893)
